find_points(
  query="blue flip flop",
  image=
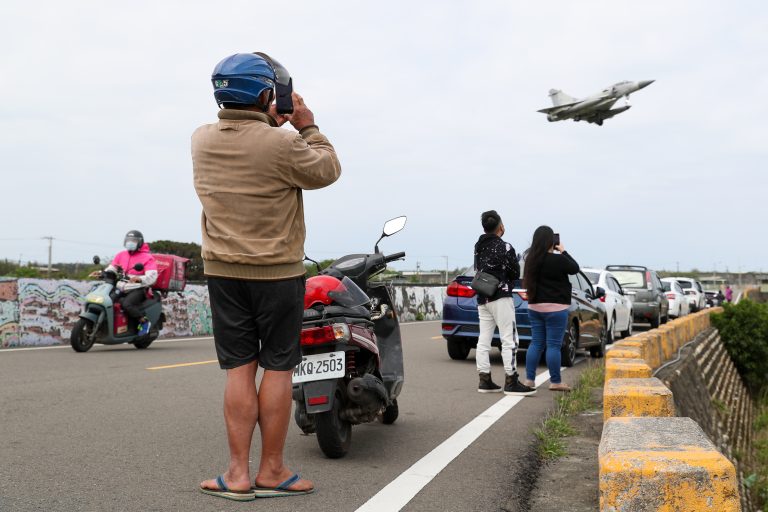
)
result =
(225, 492)
(282, 489)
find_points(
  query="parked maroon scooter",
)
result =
(352, 367)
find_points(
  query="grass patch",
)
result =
(757, 482)
(556, 426)
(720, 406)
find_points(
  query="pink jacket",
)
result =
(127, 260)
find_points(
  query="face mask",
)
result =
(131, 246)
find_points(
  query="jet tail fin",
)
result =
(560, 98)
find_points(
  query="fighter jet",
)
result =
(592, 109)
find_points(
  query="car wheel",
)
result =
(609, 336)
(628, 332)
(605, 338)
(655, 322)
(458, 348)
(570, 340)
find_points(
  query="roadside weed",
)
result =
(557, 426)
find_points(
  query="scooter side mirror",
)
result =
(392, 226)
(96, 260)
(139, 267)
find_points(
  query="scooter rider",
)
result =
(132, 291)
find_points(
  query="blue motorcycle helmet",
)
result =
(241, 78)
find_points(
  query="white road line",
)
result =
(167, 340)
(402, 489)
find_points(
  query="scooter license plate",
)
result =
(320, 367)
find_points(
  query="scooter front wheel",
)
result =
(81, 340)
(334, 435)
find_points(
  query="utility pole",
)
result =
(678, 266)
(50, 253)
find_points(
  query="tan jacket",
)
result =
(249, 176)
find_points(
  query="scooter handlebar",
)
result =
(393, 257)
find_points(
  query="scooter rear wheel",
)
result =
(145, 343)
(334, 435)
(80, 333)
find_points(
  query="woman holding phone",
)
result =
(549, 298)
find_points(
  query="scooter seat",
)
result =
(337, 311)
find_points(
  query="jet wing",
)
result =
(558, 108)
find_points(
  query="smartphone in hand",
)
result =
(556, 239)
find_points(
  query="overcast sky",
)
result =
(431, 107)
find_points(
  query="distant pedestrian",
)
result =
(728, 293)
(498, 258)
(249, 175)
(549, 298)
(720, 298)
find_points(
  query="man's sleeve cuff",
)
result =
(309, 130)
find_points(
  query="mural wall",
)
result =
(38, 312)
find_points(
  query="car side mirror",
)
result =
(139, 267)
(96, 260)
(600, 292)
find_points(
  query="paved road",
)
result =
(98, 431)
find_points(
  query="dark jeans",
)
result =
(131, 302)
(547, 331)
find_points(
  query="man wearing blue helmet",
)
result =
(249, 176)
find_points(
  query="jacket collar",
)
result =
(231, 114)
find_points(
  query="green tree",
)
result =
(744, 330)
(312, 268)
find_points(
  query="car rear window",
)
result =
(594, 277)
(685, 284)
(630, 278)
(667, 285)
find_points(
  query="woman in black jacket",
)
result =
(549, 298)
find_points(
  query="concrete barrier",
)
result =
(647, 345)
(650, 460)
(623, 368)
(663, 464)
(637, 397)
(625, 351)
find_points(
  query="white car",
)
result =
(618, 307)
(697, 299)
(678, 301)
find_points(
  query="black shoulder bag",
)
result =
(484, 283)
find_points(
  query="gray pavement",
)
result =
(98, 431)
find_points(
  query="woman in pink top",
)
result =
(549, 297)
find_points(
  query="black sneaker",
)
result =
(487, 385)
(512, 386)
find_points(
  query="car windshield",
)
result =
(630, 278)
(685, 284)
(594, 277)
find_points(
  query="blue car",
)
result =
(587, 327)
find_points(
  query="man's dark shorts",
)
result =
(257, 320)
